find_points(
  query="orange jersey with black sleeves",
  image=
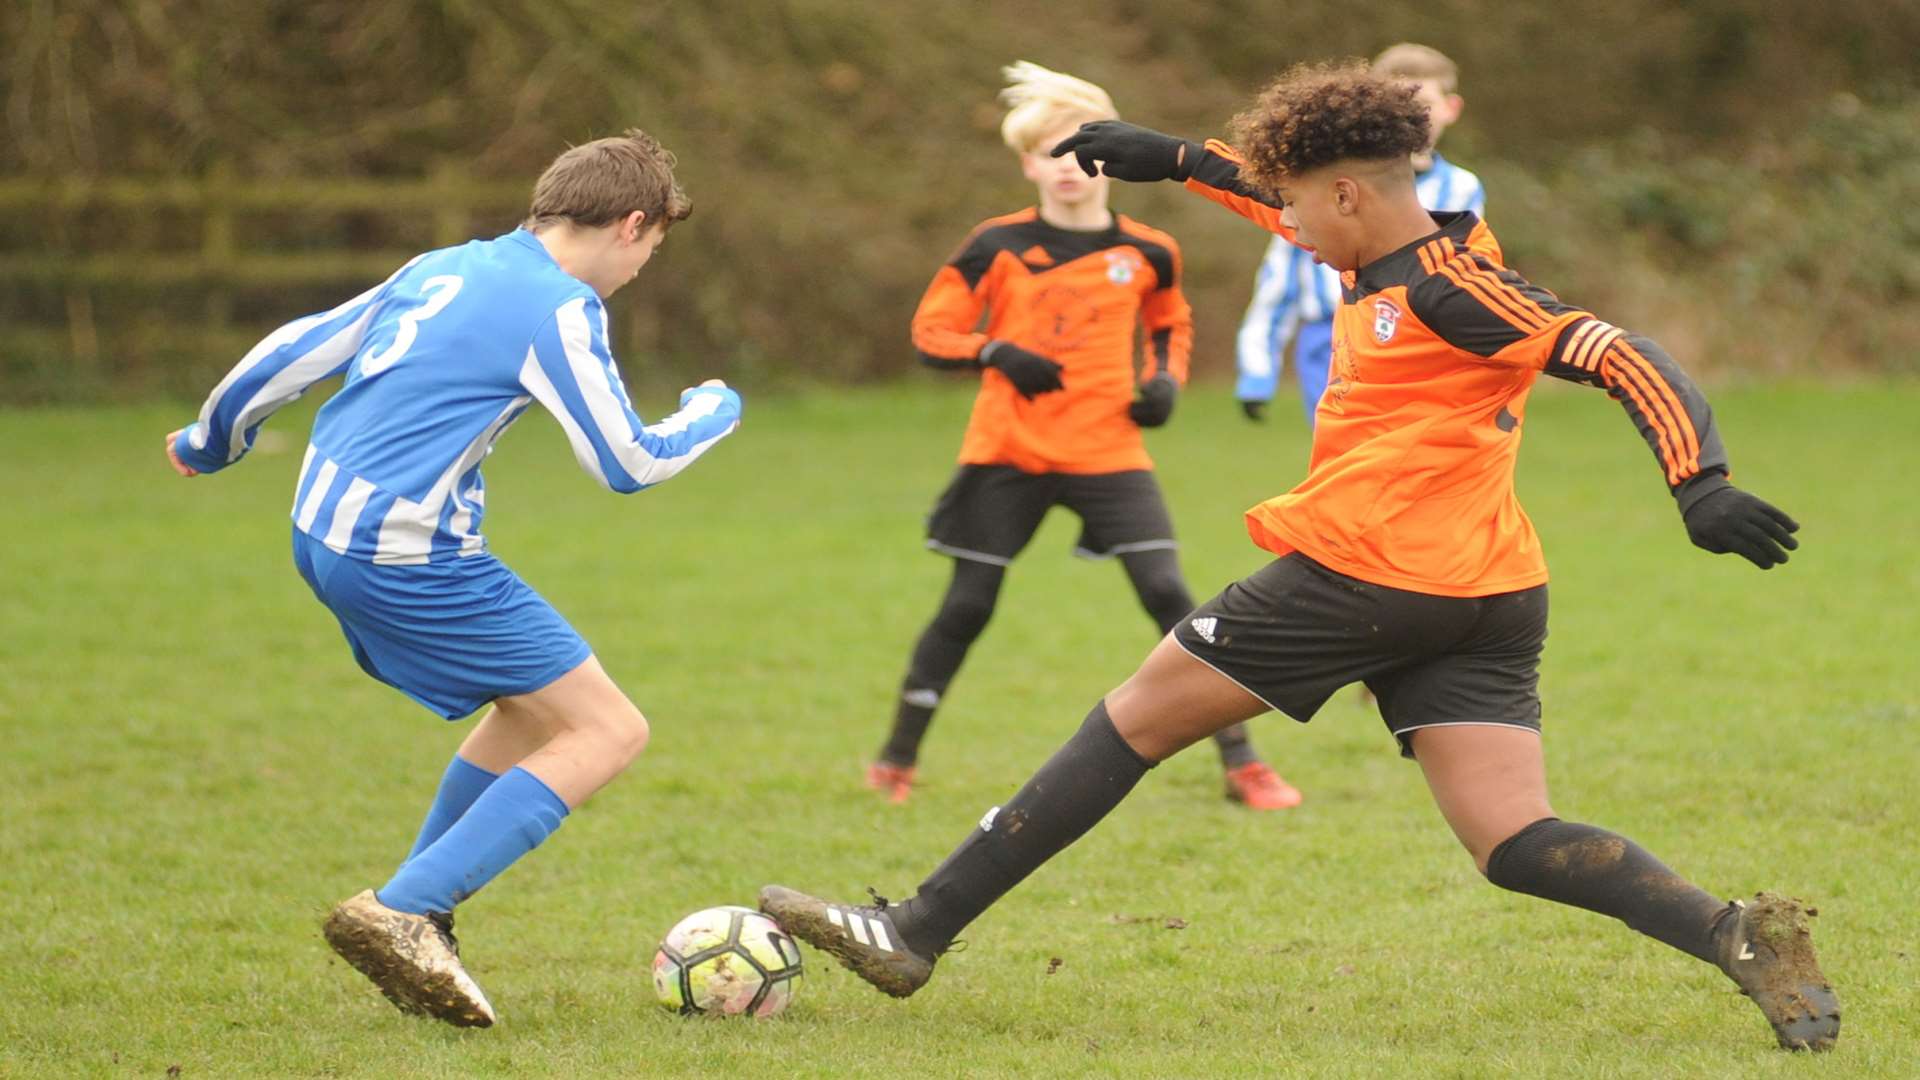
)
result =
(1078, 298)
(1436, 347)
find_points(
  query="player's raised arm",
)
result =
(273, 373)
(1489, 310)
(1130, 152)
(570, 371)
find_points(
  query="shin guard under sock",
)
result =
(460, 785)
(513, 817)
(1592, 868)
(1079, 785)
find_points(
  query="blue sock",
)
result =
(508, 820)
(462, 783)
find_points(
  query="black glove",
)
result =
(1721, 518)
(1155, 403)
(1029, 372)
(1256, 411)
(1130, 152)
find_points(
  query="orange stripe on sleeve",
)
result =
(1587, 353)
(1600, 345)
(1632, 383)
(1524, 303)
(1452, 273)
(1575, 353)
(1267, 217)
(1683, 423)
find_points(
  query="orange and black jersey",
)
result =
(1078, 298)
(1436, 347)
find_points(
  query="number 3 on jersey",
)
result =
(439, 292)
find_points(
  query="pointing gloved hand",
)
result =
(1029, 372)
(1130, 152)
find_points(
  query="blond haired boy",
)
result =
(1063, 287)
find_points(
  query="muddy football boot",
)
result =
(862, 937)
(1766, 949)
(413, 959)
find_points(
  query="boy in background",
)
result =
(1064, 286)
(440, 360)
(1295, 294)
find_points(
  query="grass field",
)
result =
(196, 769)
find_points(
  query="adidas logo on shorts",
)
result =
(1205, 627)
(863, 929)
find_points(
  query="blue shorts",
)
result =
(451, 635)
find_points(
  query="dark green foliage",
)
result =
(1732, 175)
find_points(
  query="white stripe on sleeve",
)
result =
(292, 381)
(534, 378)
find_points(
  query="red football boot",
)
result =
(897, 781)
(1258, 786)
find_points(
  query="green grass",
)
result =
(196, 769)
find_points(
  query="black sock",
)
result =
(1236, 746)
(1079, 785)
(1601, 871)
(1155, 575)
(910, 722)
(963, 614)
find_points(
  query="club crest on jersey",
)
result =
(1120, 265)
(1386, 319)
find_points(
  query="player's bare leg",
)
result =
(1249, 780)
(1488, 781)
(1490, 784)
(595, 731)
(567, 739)
(1172, 702)
(503, 739)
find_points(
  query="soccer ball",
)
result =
(726, 961)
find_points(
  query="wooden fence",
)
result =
(57, 271)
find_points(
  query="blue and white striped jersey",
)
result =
(1292, 289)
(440, 359)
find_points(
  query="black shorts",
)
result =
(989, 512)
(1294, 632)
